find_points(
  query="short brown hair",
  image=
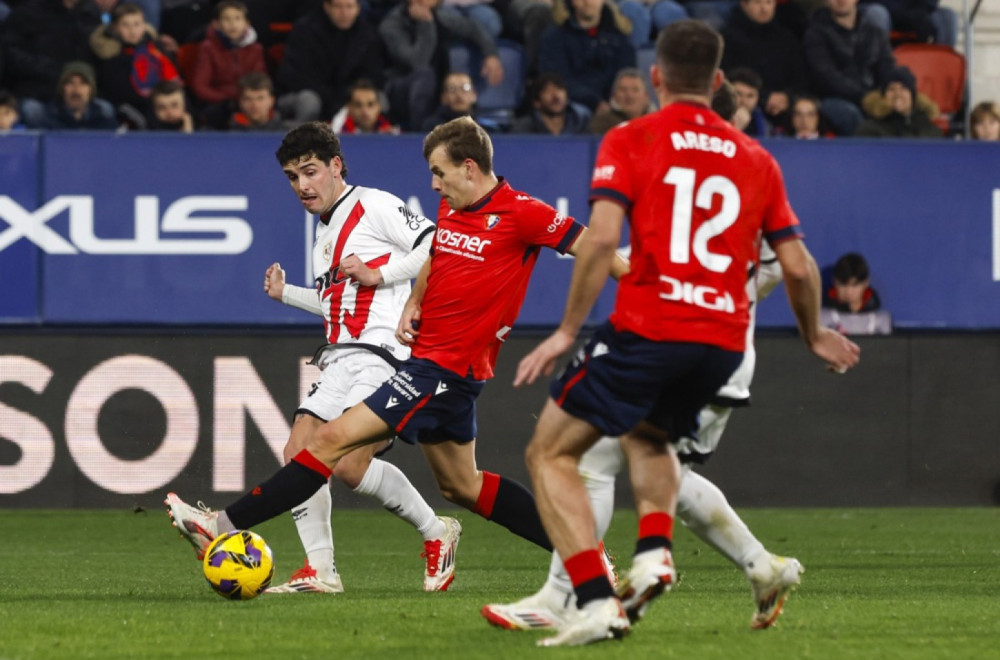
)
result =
(982, 111)
(688, 53)
(314, 138)
(231, 4)
(124, 9)
(256, 81)
(462, 138)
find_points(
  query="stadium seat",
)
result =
(274, 55)
(187, 54)
(940, 74)
(506, 96)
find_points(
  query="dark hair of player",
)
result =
(462, 138)
(313, 138)
(688, 53)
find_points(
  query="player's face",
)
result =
(233, 23)
(759, 11)
(256, 104)
(169, 108)
(899, 97)
(131, 28)
(630, 95)
(315, 183)
(987, 128)
(342, 13)
(452, 182)
(364, 109)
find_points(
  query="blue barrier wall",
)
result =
(177, 230)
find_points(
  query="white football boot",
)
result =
(306, 581)
(652, 573)
(440, 556)
(772, 582)
(596, 621)
(199, 525)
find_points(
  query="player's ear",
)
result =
(717, 80)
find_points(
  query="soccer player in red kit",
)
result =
(455, 321)
(699, 195)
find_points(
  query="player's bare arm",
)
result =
(802, 283)
(352, 266)
(274, 281)
(595, 256)
(409, 322)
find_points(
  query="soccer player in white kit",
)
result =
(368, 247)
(701, 506)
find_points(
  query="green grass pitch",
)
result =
(879, 583)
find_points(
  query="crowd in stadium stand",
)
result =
(803, 69)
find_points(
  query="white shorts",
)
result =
(347, 378)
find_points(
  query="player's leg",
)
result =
(496, 498)
(553, 604)
(553, 457)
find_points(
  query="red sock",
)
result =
(487, 495)
(656, 530)
(586, 572)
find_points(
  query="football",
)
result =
(238, 565)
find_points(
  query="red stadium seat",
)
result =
(940, 74)
(187, 54)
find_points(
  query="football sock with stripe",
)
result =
(508, 503)
(590, 581)
(290, 486)
(656, 530)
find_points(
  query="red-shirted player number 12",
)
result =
(686, 197)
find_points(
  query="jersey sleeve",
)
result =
(540, 224)
(780, 222)
(611, 178)
(399, 225)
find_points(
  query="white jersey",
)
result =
(378, 228)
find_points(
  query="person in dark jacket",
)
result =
(755, 39)
(328, 49)
(587, 49)
(77, 106)
(553, 113)
(906, 119)
(847, 58)
(38, 39)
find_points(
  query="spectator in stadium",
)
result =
(919, 21)
(755, 39)
(228, 52)
(77, 105)
(363, 112)
(850, 304)
(807, 122)
(256, 110)
(329, 48)
(479, 11)
(524, 22)
(985, 121)
(553, 113)
(905, 117)
(726, 103)
(131, 61)
(39, 37)
(458, 99)
(417, 34)
(747, 84)
(10, 118)
(847, 58)
(628, 101)
(587, 47)
(714, 12)
(170, 111)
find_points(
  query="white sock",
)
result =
(312, 519)
(703, 508)
(598, 468)
(386, 483)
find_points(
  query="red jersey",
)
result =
(699, 194)
(481, 260)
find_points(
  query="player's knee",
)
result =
(350, 470)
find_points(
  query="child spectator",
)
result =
(807, 122)
(132, 62)
(985, 121)
(228, 52)
(363, 112)
(851, 305)
(256, 105)
(170, 111)
(747, 84)
(10, 119)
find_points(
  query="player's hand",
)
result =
(353, 267)
(492, 70)
(839, 352)
(274, 281)
(409, 324)
(542, 360)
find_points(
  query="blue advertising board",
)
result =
(177, 230)
(20, 232)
